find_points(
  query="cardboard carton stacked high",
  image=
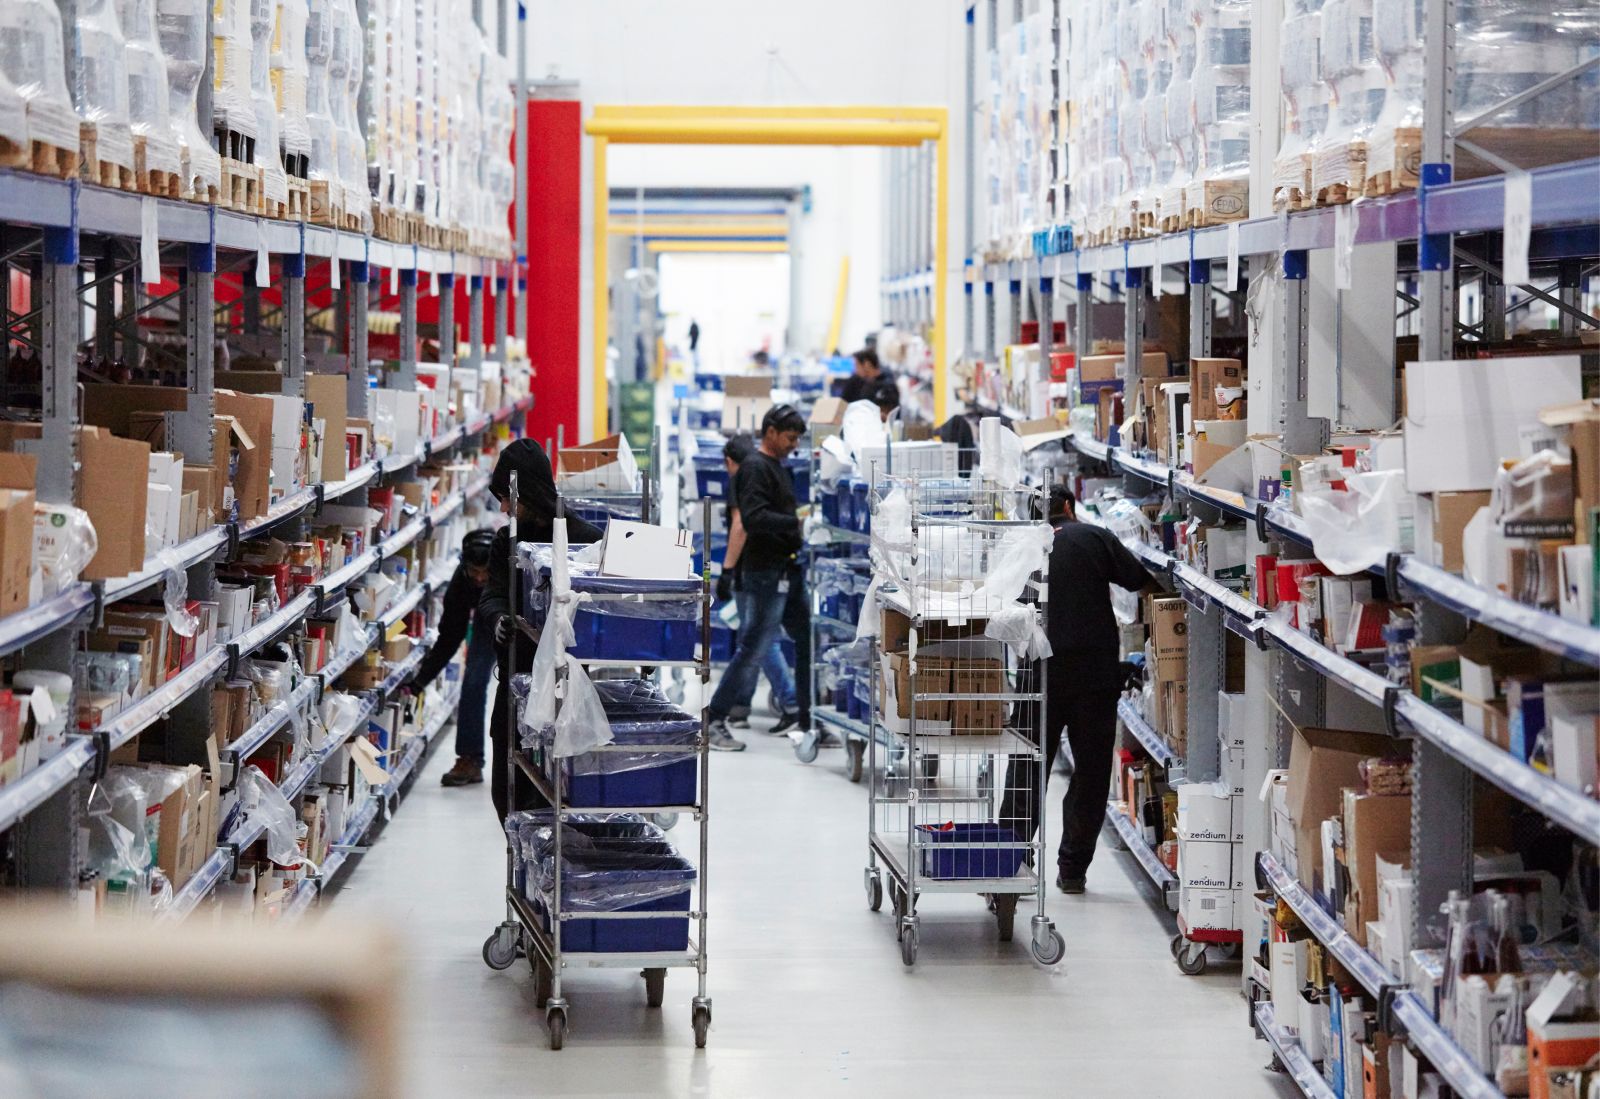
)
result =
(950, 660)
(1169, 645)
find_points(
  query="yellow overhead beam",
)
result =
(839, 293)
(778, 227)
(760, 131)
(717, 246)
(681, 111)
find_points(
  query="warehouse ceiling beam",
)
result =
(667, 124)
(722, 246)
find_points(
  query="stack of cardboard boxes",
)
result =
(950, 659)
(1168, 655)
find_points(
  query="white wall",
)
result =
(879, 52)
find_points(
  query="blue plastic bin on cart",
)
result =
(617, 879)
(661, 630)
(643, 640)
(711, 476)
(969, 862)
(641, 718)
(530, 832)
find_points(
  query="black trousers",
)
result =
(1089, 714)
(524, 796)
(797, 624)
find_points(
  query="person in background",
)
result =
(694, 336)
(958, 430)
(770, 579)
(455, 625)
(734, 453)
(886, 395)
(533, 514)
(861, 384)
(1083, 680)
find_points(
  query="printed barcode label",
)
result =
(1208, 903)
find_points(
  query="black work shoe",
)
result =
(1069, 885)
(785, 723)
(466, 772)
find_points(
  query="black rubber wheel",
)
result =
(1005, 914)
(874, 892)
(1177, 945)
(908, 946)
(1052, 952)
(557, 1021)
(858, 755)
(1192, 964)
(655, 986)
(702, 1026)
(499, 951)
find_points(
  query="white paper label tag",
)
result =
(1344, 244)
(1232, 276)
(333, 264)
(263, 260)
(394, 280)
(1518, 225)
(149, 242)
(433, 284)
(1155, 281)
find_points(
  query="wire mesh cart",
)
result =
(591, 880)
(957, 685)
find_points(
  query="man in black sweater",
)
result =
(1083, 681)
(869, 375)
(460, 605)
(769, 572)
(533, 514)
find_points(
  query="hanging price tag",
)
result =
(333, 264)
(1344, 245)
(394, 280)
(1518, 225)
(263, 260)
(149, 242)
(1155, 280)
(1232, 282)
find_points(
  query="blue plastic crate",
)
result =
(627, 936)
(605, 880)
(969, 862)
(637, 640)
(722, 644)
(830, 508)
(862, 509)
(671, 784)
(711, 480)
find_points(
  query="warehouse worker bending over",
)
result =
(1082, 685)
(769, 571)
(533, 515)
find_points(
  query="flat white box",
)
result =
(1464, 416)
(1207, 909)
(646, 551)
(1572, 750)
(1231, 719)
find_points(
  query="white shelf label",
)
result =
(1518, 225)
(149, 242)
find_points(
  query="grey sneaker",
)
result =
(722, 740)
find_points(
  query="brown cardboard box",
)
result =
(113, 487)
(1104, 368)
(933, 677)
(1108, 414)
(827, 416)
(17, 477)
(1452, 511)
(397, 649)
(327, 394)
(895, 631)
(1322, 763)
(1582, 421)
(1373, 825)
(977, 677)
(1207, 375)
(1169, 632)
(253, 436)
(1175, 712)
(175, 836)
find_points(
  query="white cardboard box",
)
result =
(1572, 750)
(605, 465)
(1205, 812)
(1232, 772)
(646, 551)
(1464, 416)
(1577, 582)
(1207, 909)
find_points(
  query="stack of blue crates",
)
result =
(654, 632)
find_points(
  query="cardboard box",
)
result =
(1169, 634)
(646, 551)
(606, 464)
(329, 399)
(1208, 864)
(1205, 812)
(1555, 1039)
(895, 686)
(1573, 742)
(1582, 424)
(1372, 824)
(1212, 440)
(17, 476)
(113, 487)
(1576, 569)
(1322, 762)
(1207, 909)
(251, 436)
(745, 400)
(1463, 417)
(976, 677)
(1207, 375)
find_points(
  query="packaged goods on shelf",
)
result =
(156, 161)
(101, 95)
(264, 16)
(182, 24)
(31, 54)
(323, 20)
(290, 78)
(232, 112)
(1305, 98)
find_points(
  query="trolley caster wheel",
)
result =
(1177, 944)
(1005, 914)
(1049, 949)
(1192, 963)
(665, 821)
(908, 945)
(543, 982)
(805, 749)
(655, 986)
(702, 1026)
(858, 754)
(500, 949)
(557, 1021)
(874, 890)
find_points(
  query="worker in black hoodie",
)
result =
(533, 514)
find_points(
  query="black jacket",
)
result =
(1085, 560)
(857, 388)
(460, 601)
(763, 489)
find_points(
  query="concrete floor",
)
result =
(810, 994)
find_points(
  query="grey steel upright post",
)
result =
(1047, 293)
(475, 322)
(1200, 312)
(521, 321)
(190, 431)
(1441, 802)
(447, 319)
(408, 329)
(105, 303)
(1132, 327)
(1083, 326)
(356, 354)
(990, 344)
(502, 307)
(1302, 433)
(294, 322)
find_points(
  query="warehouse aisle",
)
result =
(809, 991)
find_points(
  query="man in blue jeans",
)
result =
(460, 603)
(769, 571)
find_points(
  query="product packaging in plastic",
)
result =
(101, 92)
(233, 111)
(268, 147)
(154, 147)
(289, 77)
(182, 26)
(32, 58)
(323, 165)
(677, 600)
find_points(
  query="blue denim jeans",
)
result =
(761, 606)
(475, 677)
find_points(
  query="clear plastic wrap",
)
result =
(182, 25)
(14, 147)
(101, 91)
(62, 557)
(344, 61)
(232, 107)
(579, 723)
(32, 59)
(269, 146)
(1356, 90)
(1305, 103)
(610, 881)
(265, 804)
(154, 148)
(654, 599)
(289, 78)
(1357, 529)
(321, 24)
(1220, 190)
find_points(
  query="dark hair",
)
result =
(738, 448)
(1062, 500)
(886, 395)
(761, 358)
(868, 356)
(782, 417)
(475, 548)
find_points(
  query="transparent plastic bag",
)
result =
(324, 162)
(580, 723)
(233, 41)
(1000, 454)
(265, 804)
(101, 91)
(269, 153)
(175, 595)
(289, 77)
(1019, 627)
(182, 25)
(149, 115)
(64, 543)
(1357, 529)
(1021, 552)
(341, 714)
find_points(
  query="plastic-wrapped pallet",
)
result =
(322, 168)
(32, 59)
(156, 162)
(1356, 88)
(1305, 104)
(15, 151)
(289, 79)
(233, 111)
(345, 63)
(101, 96)
(269, 149)
(182, 24)
(377, 122)
(1178, 115)
(1220, 190)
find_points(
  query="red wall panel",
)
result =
(555, 256)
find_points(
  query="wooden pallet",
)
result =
(104, 172)
(241, 187)
(299, 207)
(389, 224)
(15, 154)
(153, 181)
(326, 203)
(1210, 202)
(52, 160)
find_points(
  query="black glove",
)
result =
(724, 586)
(502, 630)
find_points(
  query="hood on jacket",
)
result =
(536, 483)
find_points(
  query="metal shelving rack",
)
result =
(1446, 232)
(523, 931)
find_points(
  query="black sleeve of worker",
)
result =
(495, 602)
(758, 494)
(1127, 571)
(460, 601)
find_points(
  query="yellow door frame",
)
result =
(737, 125)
